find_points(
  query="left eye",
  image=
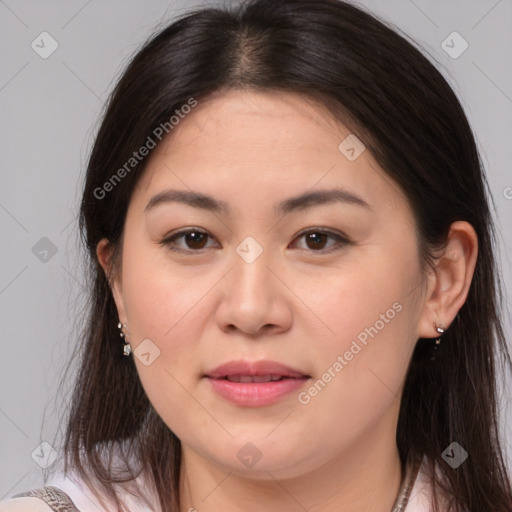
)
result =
(315, 240)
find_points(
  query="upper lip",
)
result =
(253, 368)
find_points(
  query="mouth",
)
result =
(255, 378)
(254, 384)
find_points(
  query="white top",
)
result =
(85, 500)
(421, 493)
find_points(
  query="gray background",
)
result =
(50, 110)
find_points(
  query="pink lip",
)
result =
(254, 394)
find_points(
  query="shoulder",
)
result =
(85, 499)
(43, 499)
(24, 505)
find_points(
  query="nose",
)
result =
(254, 299)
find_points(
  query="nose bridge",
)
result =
(252, 298)
(250, 278)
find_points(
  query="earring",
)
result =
(127, 349)
(440, 330)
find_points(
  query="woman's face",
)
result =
(305, 255)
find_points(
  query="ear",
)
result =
(104, 253)
(449, 282)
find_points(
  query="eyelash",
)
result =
(342, 240)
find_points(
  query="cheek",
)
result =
(159, 306)
(371, 308)
(157, 297)
(162, 308)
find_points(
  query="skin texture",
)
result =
(297, 304)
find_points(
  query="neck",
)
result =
(365, 477)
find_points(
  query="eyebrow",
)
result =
(297, 203)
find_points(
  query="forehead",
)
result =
(261, 141)
(245, 129)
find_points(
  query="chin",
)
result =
(256, 459)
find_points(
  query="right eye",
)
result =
(194, 239)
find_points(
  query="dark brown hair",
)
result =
(390, 95)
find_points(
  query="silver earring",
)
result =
(440, 330)
(127, 349)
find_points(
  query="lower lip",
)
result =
(255, 394)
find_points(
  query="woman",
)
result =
(288, 225)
